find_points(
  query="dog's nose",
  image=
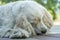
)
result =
(43, 31)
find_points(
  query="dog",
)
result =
(24, 19)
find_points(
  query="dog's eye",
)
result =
(33, 24)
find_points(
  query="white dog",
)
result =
(24, 19)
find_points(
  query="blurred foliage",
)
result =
(49, 4)
(59, 4)
(7, 1)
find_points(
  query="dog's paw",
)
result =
(19, 33)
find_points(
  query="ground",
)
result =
(54, 34)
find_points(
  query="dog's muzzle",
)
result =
(40, 32)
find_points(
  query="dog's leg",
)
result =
(18, 33)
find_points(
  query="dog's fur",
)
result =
(23, 19)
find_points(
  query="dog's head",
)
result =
(40, 24)
(39, 18)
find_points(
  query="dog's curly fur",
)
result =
(23, 19)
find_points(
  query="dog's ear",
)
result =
(47, 19)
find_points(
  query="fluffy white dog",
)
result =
(24, 19)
